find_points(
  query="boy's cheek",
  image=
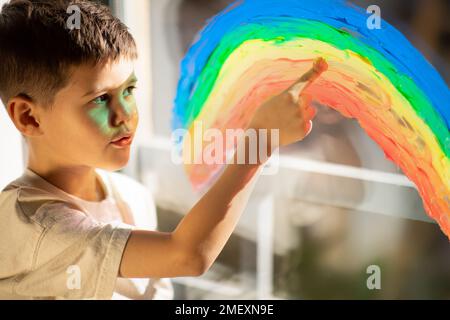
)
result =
(100, 116)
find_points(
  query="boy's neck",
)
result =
(81, 182)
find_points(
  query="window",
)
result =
(336, 208)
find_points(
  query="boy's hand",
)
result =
(290, 112)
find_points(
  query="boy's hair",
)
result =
(38, 50)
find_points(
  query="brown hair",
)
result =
(37, 49)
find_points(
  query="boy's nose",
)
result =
(121, 113)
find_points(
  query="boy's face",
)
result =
(94, 109)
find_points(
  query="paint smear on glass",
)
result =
(257, 48)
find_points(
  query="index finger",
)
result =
(320, 65)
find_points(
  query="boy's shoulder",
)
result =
(26, 202)
(30, 200)
(26, 214)
(29, 193)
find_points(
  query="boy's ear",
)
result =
(25, 116)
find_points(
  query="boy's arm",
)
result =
(201, 235)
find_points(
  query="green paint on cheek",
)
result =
(101, 115)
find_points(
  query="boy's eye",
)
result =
(129, 91)
(101, 100)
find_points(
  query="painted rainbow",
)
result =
(257, 48)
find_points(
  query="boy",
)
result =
(67, 228)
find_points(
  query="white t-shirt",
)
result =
(57, 246)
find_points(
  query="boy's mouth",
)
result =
(122, 140)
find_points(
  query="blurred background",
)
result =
(336, 206)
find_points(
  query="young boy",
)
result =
(69, 227)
